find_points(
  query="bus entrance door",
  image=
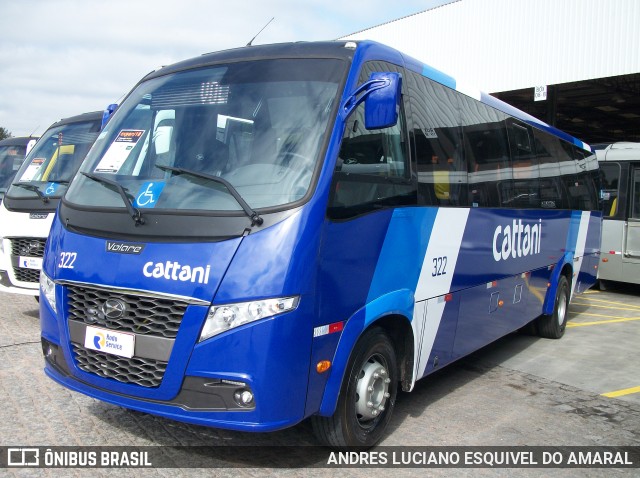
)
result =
(631, 252)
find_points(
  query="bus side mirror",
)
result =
(382, 105)
(108, 113)
(381, 95)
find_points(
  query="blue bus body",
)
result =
(438, 271)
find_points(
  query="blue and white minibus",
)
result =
(274, 233)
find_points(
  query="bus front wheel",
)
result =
(367, 396)
(553, 326)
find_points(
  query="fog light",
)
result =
(48, 350)
(243, 397)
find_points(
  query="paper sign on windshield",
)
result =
(119, 151)
(32, 169)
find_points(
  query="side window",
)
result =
(553, 159)
(486, 149)
(437, 141)
(372, 170)
(525, 186)
(582, 189)
(635, 195)
(610, 180)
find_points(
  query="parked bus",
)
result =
(620, 170)
(271, 233)
(12, 153)
(30, 202)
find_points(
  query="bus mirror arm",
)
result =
(381, 95)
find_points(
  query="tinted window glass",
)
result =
(437, 143)
(524, 188)
(486, 149)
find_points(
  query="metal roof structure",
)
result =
(586, 52)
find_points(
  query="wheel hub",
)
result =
(372, 390)
(562, 309)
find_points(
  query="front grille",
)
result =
(141, 371)
(27, 275)
(154, 316)
(27, 246)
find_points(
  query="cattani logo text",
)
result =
(172, 270)
(517, 239)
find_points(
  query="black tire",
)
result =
(367, 396)
(553, 326)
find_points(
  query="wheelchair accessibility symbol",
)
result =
(50, 189)
(148, 194)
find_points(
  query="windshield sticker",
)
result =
(50, 189)
(32, 169)
(148, 194)
(119, 151)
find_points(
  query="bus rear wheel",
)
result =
(367, 396)
(553, 326)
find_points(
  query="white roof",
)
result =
(503, 45)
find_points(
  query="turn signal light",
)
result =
(323, 366)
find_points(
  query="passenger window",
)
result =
(524, 188)
(635, 198)
(486, 149)
(556, 168)
(437, 142)
(582, 190)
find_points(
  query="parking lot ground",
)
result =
(521, 390)
(599, 352)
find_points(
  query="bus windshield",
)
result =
(54, 160)
(183, 141)
(11, 157)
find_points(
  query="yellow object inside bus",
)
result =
(60, 151)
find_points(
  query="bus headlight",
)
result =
(48, 290)
(225, 317)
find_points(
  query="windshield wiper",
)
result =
(135, 214)
(256, 220)
(34, 188)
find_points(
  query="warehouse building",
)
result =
(572, 63)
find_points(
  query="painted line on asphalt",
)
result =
(612, 320)
(597, 306)
(610, 302)
(622, 393)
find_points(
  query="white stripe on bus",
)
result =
(435, 280)
(580, 245)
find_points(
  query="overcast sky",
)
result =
(59, 58)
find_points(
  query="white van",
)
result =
(31, 200)
(12, 154)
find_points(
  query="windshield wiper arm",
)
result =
(135, 214)
(34, 188)
(256, 220)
